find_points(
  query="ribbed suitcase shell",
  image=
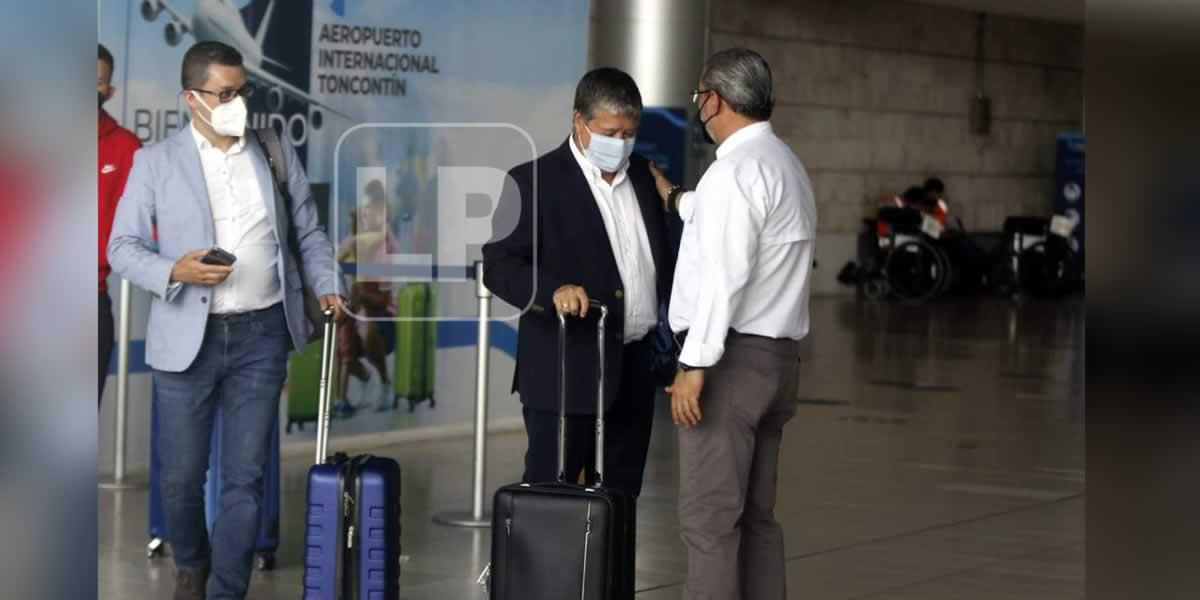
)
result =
(352, 520)
(373, 560)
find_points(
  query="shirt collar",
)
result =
(203, 144)
(592, 172)
(743, 135)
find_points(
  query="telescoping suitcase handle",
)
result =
(324, 410)
(562, 394)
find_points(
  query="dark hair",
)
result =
(200, 57)
(743, 78)
(608, 89)
(107, 57)
(933, 184)
(914, 195)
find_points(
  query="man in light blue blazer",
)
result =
(218, 336)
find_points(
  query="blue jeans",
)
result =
(240, 369)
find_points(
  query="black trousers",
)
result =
(628, 423)
(105, 336)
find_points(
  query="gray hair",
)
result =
(609, 90)
(743, 78)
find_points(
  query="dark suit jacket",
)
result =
(571, 247)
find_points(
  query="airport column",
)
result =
(662, 44)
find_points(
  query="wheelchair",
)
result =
(1039, 258)
(901, 257)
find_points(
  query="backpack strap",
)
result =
(269, 139)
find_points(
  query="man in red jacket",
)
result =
(116, 149)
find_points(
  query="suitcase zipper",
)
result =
(348, 513)
(355, 589)
(587, 536)
(351, 490)
(505, 583)
(340, 567)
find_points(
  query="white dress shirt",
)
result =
(745, 260)
(242, 227)
(622, 217)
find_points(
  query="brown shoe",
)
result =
(190, 584)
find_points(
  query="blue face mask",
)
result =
(608, 153)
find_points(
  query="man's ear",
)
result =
(189, 99)
(577, 127)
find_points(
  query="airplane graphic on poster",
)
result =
(221, 21)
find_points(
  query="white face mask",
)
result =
(227, 119)
(608, 153)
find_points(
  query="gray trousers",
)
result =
(728, 472)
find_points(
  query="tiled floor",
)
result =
(937, 454)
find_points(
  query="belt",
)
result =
(681, 337)
(237, 316)
(736, 333)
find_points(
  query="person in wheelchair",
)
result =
(897, 254)
(935, 258)
(869, 255)
(928, 199)
(935, 200)
(968, 261)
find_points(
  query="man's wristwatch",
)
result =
(673, 198)
(686, 368)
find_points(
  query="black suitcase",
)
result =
(559, 540)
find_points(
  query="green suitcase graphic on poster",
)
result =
(416, 345)
(303, 379)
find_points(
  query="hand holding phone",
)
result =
(205, 266)
(217, 256)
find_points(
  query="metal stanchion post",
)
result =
(478, 516)
(118, 481)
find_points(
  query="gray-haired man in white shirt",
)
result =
(740, 307)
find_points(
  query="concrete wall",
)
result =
(873, 95)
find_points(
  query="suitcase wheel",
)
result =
(264, 561)
(154, 549)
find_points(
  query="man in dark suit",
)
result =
(598, 234)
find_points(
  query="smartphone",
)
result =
(217, 256)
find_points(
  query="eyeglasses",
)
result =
(226, 95)
(696, 94)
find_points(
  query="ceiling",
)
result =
(1071, 11)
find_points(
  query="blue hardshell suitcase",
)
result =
(267, 541)
(352, 521)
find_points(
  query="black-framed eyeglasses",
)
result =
(696, 94)
(226, 95)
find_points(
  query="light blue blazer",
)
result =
(166, 189)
